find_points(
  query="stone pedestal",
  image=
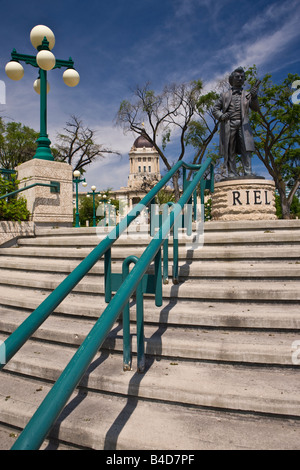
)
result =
(244, 199)
(48, 207)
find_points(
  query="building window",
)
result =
(139, 169)
(139, 159)
(144, 169)
(144, 159)
(149, 168)
(149, 159)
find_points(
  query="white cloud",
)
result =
(267, 46)
(110, 172)
(113, 170)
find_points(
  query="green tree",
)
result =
(276, 129)
(17, 144)
(86, 210)
(12, 208)
(179, 113)
(295, 207)
(164, 196)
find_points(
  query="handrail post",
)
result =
(184, 177)
(189, 215)
(212, 178)
(126, 320)
(139, 323)
(126, 338)
(166, 244)
(140, 339)
(152, 217)
(175, 254)
(165, 261)
(158, 279)
(107, 275)
(195, 205)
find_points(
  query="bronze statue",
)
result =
(232, 110)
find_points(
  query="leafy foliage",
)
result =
(86, 207)
(17, 144)
(12, 208)
(164, 196)
(276, 130)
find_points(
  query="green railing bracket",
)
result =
(55, 187)
(149, 284)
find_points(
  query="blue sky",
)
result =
(118, 44)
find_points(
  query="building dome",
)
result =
(141, 142)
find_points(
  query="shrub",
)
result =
(12, 208)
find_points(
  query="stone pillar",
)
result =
(47, 207)
(244, 199)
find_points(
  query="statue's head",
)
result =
(237, 77)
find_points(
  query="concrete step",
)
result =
(210, 238)
(231, 314)
(9, 435)
(210, 227)
(283, 252)
(97, 421)
(199, 269)
(223, 345)
(219, 351)
(248, 389)
(204, 289)
(240, 226)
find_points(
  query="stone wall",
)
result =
(10, 231)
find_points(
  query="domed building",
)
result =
(144, 164)
(144, 172)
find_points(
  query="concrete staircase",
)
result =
(222, 366)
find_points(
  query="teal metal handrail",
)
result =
(7, 173)
(54, 185)
(14, 342)
(38, 427)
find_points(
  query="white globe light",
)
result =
(38, 33)
(76, 173)
(71, 77)
(93, 188)
(45, 60)
(84, 184)
(14, 70)
(37, 86)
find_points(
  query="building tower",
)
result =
(143, 164)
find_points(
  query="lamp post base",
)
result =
(43, 151)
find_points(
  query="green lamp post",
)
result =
(93, 188)
(42, 38)
(77, 180)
